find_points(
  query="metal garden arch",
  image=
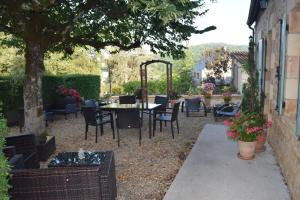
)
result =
(144, 81)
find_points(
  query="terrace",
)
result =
(83, 116)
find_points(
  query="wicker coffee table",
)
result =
(103, 159)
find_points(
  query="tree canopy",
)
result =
(63, 24)
(217, 60)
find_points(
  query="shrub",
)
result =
(131, 87)
(4, 167)
(12, 92)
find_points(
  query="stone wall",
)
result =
(282, 136)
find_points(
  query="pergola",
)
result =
(144, 81)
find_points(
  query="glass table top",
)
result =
(71, 159)
(148, 106)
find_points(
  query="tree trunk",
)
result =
(33, 103)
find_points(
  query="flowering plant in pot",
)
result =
(227, 97)
(64, 92)
(245, 128)
(209, 87)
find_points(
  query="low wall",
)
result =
(216, 99)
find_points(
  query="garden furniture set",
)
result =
(67, 177)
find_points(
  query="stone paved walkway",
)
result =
(212, 171)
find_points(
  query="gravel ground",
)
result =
(143, 172)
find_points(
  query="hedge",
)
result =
(12, 94)
(87, 85)
(4, 167)
(158, 86)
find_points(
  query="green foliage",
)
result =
(250, 102)
(4, 167)
(87, 85)
(82, 61)
(217, 60)
(61, 25)
(131, 87)
(11, 93)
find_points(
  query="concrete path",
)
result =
(212, 171)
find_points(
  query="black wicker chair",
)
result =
(128, 99)
(26, 145)
(163, 101)
(126, 119)
(226, 110)
(90, 103)
(194, 105)
(64, 106)
(16, 161)
(95, 118)
(167, 117)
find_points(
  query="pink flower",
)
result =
(253, 129)
(227, 122)
(269, 124)
(231, 134)
(237, 115)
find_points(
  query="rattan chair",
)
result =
(128, 99)
(90, 103)
(26, 145)
(163, 101)
(167, 117)
(194, 105)
(226, 110)
(126, 119)
(95, 118)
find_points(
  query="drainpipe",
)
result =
(252, 32)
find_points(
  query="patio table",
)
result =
(150, 107)
(91, 159)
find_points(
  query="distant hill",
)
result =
(197, 50)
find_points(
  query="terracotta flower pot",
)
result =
(247, 150)
(210, 92)
(207, 102)
(260, 144)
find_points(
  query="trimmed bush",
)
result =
(12, 93)
(87, 85)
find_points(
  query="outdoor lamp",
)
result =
(263, 4)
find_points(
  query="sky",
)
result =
(230, 18)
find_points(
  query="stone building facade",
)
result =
(277, 36)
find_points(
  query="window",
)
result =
(281, 67)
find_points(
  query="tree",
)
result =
(217, 60)
(40, 26)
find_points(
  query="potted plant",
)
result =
(68, 93)
(207, 99)
(209, 88)
(227, 97)
(45, 146)
(245, 128)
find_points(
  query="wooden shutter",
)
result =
(298, 110)
(261, 64)
(282, 59)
